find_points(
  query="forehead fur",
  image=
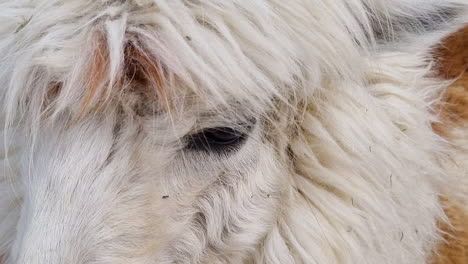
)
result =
(219, 50)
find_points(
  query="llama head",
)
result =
(219, 131)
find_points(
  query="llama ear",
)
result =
(417, 20)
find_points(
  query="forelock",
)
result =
(217, 51)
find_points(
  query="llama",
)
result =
(225, 131)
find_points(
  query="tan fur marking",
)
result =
(455, 249)
(452, 57)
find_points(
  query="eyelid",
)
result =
(219, 139)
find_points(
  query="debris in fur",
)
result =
(23, 25)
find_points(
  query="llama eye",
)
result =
(217, 139)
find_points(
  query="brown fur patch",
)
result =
(452, 56)
(455, 248)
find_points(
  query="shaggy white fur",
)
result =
(337, 163)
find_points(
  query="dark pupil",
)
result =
(219, 139)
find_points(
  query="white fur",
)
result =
(342, 165)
